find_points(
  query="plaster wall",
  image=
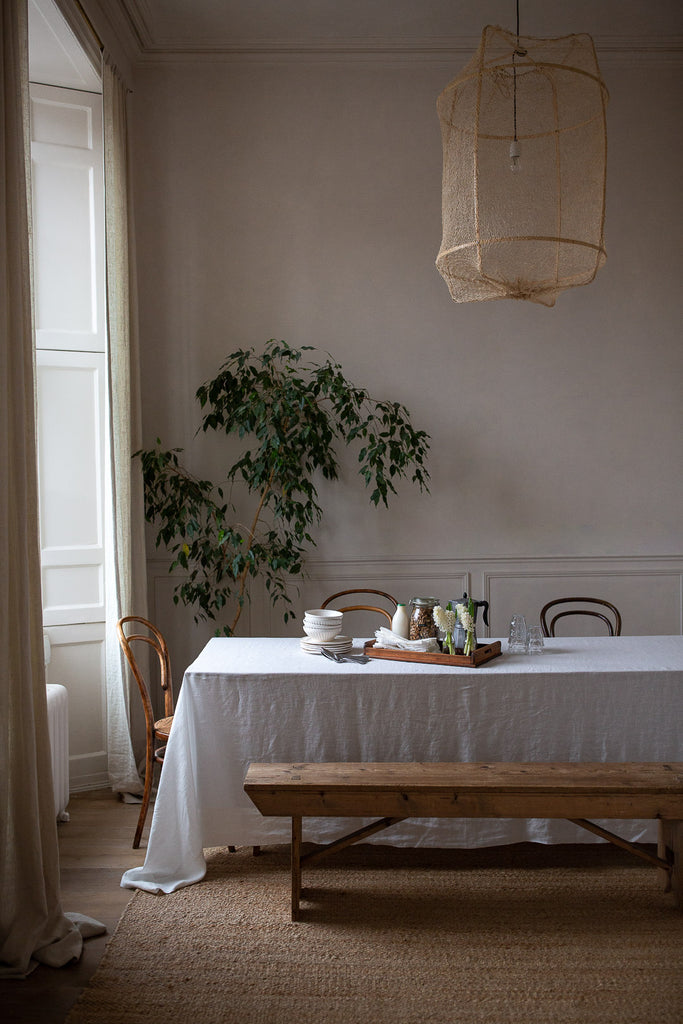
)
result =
(302, 200)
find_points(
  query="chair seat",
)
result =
(162, 728)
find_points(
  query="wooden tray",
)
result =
(483, 653)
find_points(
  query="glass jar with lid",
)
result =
(422, 625)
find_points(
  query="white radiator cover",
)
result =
(58, 724)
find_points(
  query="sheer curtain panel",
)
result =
(126, 586)
(32, 925)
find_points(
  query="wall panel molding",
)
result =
(647, 589)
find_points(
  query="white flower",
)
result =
(465, 618)
(445, 619)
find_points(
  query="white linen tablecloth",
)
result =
(264, 699)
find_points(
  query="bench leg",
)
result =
(296, 866)
(670, 848)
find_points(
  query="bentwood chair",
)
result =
(613, 624)
(391, 601)
(157, 730)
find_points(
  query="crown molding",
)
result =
(136, 14)
(622, 51)
(130, 22)
(112, 29)
(646, 51)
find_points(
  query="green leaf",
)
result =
(288, 414)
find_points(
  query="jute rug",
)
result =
(525, 935)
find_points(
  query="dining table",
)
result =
(265, 699)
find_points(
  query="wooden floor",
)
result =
(95, 848)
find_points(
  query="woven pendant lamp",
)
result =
(524, 167)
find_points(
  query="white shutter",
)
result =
(68, 215)
(68, 229)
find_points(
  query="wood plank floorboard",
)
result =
(95, 848)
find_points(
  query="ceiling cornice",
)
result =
(135, 12)
(115, 28)
(130, 20)
(611, 50)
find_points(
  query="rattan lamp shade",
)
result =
(534, 233)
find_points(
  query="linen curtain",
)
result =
(126, 586)
(125, 567)
(32, 924)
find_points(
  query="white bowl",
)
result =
(323, 620)
(324, 632)
(321, 633)
(323, 615)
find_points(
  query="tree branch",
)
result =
(242, 579)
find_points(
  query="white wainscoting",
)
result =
(647, 590)
(77, 663)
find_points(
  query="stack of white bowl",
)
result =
(322, 627)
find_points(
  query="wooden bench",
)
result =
(394, 792)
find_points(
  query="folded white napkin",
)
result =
(386, 638)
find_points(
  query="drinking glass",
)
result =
(517, 637)
(535, 639)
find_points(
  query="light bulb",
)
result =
(515, 157)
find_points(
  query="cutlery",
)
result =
(361, 659)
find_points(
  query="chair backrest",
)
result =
(614, 627)
(155, 640)
(393, 603)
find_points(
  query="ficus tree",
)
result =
(290, 414)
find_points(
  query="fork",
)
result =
(361, 659)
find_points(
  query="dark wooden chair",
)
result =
(613, 624)
(157, 730)
(393, 603)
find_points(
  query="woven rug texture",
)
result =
(513, 935)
